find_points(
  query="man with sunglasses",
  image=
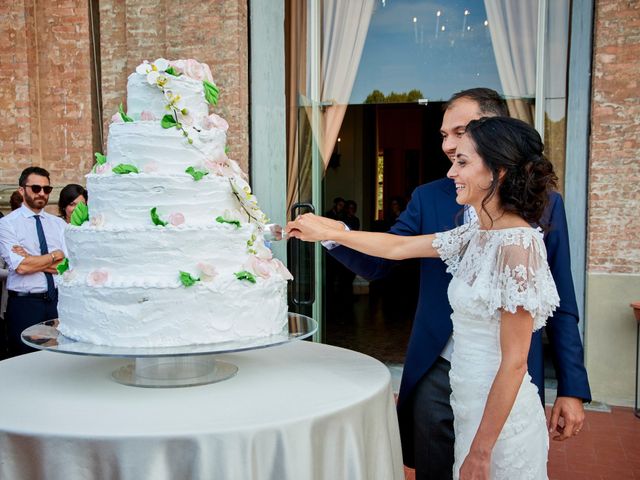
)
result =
(32, 245)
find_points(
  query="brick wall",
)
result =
(49, 113)
(614, 175)
(45, 89)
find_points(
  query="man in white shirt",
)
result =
(32, 245)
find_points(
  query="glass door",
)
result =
(366, 83)
(305, 170)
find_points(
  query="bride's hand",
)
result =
(312, 228)
(475, 467)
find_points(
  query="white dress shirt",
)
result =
(19, 228)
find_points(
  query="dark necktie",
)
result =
(51, 289)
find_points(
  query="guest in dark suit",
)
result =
(424, 411)
(337, 210)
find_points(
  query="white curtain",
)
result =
(344, 31)
(513, 27)
(557, 55)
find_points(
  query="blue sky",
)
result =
(401, 55)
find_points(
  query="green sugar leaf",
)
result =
(100, 158)
(226, 149)
(244, 275)
(221, 219)
(196, 174)
(187, 280)
(124, 169)
(124, 116)
(80, 214)
(210, 92)
(155, 218)
(63, 266)
(172, 71)
(168, 121)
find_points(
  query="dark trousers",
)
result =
(433, 424)
(23, 312)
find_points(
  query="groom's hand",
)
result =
(567, 418)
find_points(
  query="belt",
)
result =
(40, 296)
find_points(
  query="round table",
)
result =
(297, 411)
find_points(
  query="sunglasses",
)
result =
(38, 188)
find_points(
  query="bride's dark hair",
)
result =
(512, 146)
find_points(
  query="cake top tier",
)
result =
(157, 88)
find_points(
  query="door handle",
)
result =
(303, 264)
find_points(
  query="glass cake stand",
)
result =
(158, 367)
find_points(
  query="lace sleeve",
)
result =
(452, 244)
(523, 279)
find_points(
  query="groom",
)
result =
(424, 411)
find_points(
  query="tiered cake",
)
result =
(170, 251)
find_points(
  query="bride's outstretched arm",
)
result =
(312, 228)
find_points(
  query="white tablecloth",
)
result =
(297, 411)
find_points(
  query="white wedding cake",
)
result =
(170, 250)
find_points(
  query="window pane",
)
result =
(437, 48)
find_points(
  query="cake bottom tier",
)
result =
(163, 317)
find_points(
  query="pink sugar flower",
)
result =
(279, 267)
(147, 116)
(259, 266)
(215, 121)
(207, 272)
(217, 168)
(194, 69)
(116, 118)
(150, 167)
(176, 219)
(207, 72)
(98, 277)
(104, 168)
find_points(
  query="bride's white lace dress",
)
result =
(496, 270)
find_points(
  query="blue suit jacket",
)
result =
(433, 208)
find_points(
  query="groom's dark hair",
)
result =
(490, 103)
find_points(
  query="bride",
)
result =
(501, 292)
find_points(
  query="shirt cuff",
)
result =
(330, 244)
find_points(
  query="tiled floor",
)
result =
(608, 448)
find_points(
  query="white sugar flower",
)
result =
(69, 275)
(237, 170)
(233, 215)
(96, 220)
(152, 77)
(144, 68)
(161, 64)
(263, 251)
